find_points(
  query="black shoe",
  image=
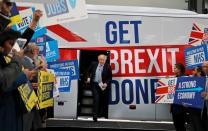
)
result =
(94, 118)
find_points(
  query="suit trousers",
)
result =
(100, 101)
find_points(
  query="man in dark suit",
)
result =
(99, 76)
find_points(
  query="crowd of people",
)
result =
(17, 68)
(181, 114)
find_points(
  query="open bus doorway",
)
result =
(85, 96)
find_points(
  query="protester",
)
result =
(195, 113)
(205, 95)
(31, 120)
(41, 61)
(179, 111)
(5, 10)
(11, 75)
(10, 110)
(7, 40)
(9, 70)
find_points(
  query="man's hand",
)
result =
(101, 84)
(105, 85)
(30, 74)
(35, 20)
(88, 80)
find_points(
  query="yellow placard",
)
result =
(28, 96)
(15, 20)
(45, 89)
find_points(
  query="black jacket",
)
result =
(9, 72)
(11, 105)
(106, 74)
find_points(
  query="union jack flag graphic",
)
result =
(198, 35)
(165, 90)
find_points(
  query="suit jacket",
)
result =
(106, 74)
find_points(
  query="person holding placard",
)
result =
(179, 111)
(195, 113)
(205, 95)
(31, 120)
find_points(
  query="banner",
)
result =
(42, 39)
(62, 11)
(165, 90)
(15, 16)
(35, 1)
(48, 47)
(195, 56)
(27, 16)
(42, 49)
(28, 96)
(188, 91)
(70, 65)
(140, 52)
(52, 51)
(56, 92)
(63, 80)
(45, 89)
